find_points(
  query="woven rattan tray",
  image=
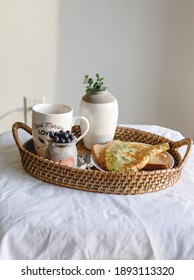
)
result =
(99, 181)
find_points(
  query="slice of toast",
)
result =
(160, 161)
(98, 152)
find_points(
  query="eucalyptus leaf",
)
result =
(94, 85)
(89, 90)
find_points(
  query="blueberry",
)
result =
(71, 137)
(67, 140)
(56, 139)
(66, 135)
(60, 135)
(62, 140)
(51, 134)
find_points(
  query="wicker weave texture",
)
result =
(100, 181)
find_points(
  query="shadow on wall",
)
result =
(21, 109)
(176, 95)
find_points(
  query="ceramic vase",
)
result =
(101, 110)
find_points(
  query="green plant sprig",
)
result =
(94, 85)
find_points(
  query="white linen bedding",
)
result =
(44, 221)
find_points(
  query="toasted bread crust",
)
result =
(160, 161)
(98, 152)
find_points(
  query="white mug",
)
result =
(52, 117)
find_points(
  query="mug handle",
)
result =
(87, 125)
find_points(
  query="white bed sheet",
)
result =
(45, 221)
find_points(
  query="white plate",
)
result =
(170, 162)
(95, 164)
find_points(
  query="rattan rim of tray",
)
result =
(100, 181)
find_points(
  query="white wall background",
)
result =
(144, 48)
(28, 39)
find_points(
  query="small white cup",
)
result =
(52, 117)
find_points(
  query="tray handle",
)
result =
(188, 142)
(15, 127)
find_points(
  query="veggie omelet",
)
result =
(129, 156)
